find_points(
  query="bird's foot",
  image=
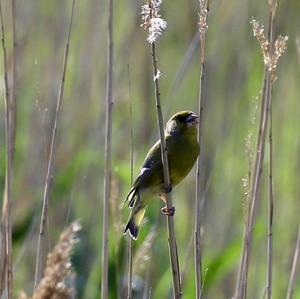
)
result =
(168, 189)
(169, 212)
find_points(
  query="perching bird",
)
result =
(183, 150)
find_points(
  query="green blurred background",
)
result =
(234, 79)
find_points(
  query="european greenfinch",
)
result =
(183, 150)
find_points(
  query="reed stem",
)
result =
(108, 137)
(167, 184)
(197, 241)
(41, 247)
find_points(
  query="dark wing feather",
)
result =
(149, 166)
(131, 195)
(150, 175)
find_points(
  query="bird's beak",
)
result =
(192, 120)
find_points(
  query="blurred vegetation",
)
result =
(234, 79)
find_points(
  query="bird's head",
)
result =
(183, 122)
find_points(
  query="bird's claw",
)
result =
(169, 212)
(168, 189)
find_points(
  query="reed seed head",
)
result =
(270, 57)
(152, 21)
(202, 18)
(58, 268)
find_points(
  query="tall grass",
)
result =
(108, 140)
(270, 207)
(164, 153)
(295, 264)
(198, 260)
(271, 52)
(41, 246)
(130, 244)
(296, 257)
(6, 226)
(14, 76)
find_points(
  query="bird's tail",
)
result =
(135, 221)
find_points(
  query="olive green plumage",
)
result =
(183, 150)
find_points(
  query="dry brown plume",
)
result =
(58, 268)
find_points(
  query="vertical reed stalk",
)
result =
(3, 245)
(270, 207)
(107, 170)
(155, 25)
(130, 247)
(14, 78)
(164, 153)
(129, 277)
(6, 267)
(297, 247)
(197, 241)
(294, 268)
(41, 247)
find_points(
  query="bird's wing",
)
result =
(150, 167)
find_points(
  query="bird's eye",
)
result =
(191, 117)
(192, 120)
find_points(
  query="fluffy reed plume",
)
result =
(58, 268)
(271, 58)
(203, 13)
(152, 20)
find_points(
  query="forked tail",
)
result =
(135, 220)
